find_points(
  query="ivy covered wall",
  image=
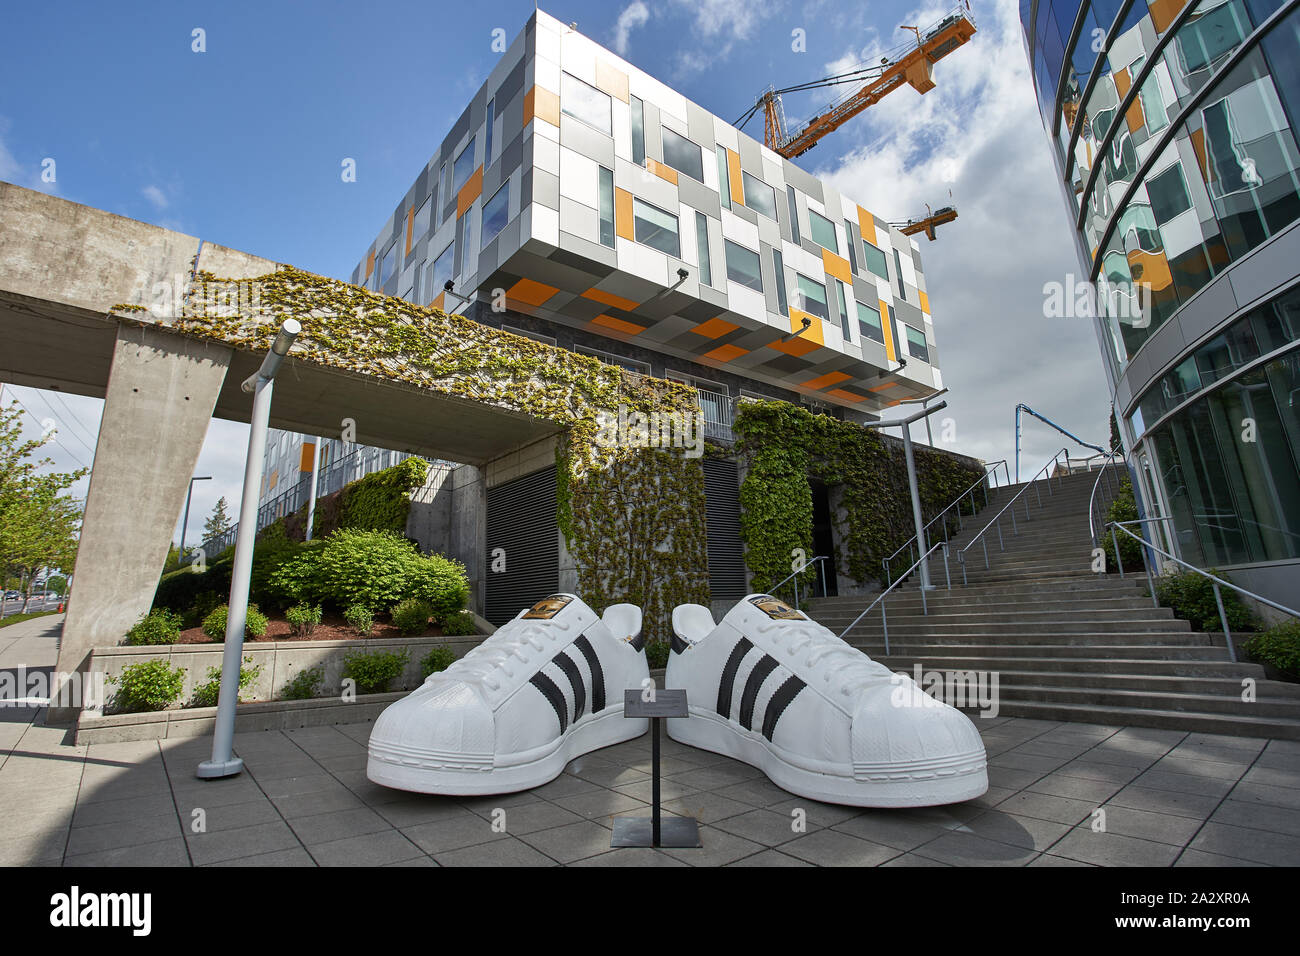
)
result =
(784, 444)
(633, 516)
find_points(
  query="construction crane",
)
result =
(932, 221)
(911, 64)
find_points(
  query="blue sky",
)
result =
(242, 145)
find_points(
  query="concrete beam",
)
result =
(160, 396)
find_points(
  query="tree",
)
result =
(57, 583)
(38, 522)
(218, 522)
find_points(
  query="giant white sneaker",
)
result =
(775, 689)
(545, 688)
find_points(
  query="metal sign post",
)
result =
(655, 831)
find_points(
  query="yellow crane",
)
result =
(912, 65)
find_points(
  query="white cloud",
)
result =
(980, 126)
(155, 196)
(718, 26)
(21, 174)
(634, 15)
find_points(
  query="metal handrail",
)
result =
(1217, 581)
(970, 490)
(997, 519)
(807, 565)
(925, 607)
(1092, 498)
(1043, 418)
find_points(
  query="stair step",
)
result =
(1233, 725)
(1072, 666)
(1154, 652)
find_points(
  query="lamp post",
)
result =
(906, 424)
(185, 522)
(315, 478)
(224, 763)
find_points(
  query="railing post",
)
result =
(961, 559)
(822, 567)
(1151, 584)
(1223, 618)
(884, 623)
(946, 576)
(986, 553)
(1119, 562)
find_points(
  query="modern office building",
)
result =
(610, 215)
(1172, 125)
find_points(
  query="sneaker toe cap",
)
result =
(898, 728)
(445, 723)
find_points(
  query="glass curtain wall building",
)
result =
(1173, 127)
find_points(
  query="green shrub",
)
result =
(374, 670)
(214, 625)
(159, 626)
(359, 618)
(149, 685)
(374, 568)
(305, 684)
(206, 694)
(1191, 596)
(303, 618)
(460, 624)
(412, 616)
(184, 590)
(1278, 647)
(438, 659)
(1123, 508)
(656, 653)
(381, 501)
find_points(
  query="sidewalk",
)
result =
(1169, 799)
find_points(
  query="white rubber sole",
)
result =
(949, 780)
(425, 775)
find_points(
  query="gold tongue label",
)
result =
(547, 608)
(775, 608)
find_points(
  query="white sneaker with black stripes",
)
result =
(772, 687)
(509, 715)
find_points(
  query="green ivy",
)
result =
(381, 501)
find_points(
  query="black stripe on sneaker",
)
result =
(597, 674)
(565, 663)
(638, 642)
(678, 645)
(556, 696)
(765, 666)
(779, 702)
(726, 688)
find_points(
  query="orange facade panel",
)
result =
(529, 292)
(410, 222)
(623, 214)
(837, 267)
(822, 381)
(925, 302)
(370, 264)
(472, 189)
(733, 173)
(618, 325)
(846, 396)
(867, 223)
(612, 80)
(888, 328)
(666, 173)
(1163, 12)
(725, 353)
(609, 298)
(715, 328)
(307, 460)
(541, 103)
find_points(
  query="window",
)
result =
(876, 261)
(421, 225)
(586, 103)
(779, 264)
(606, 201)
(444, 192)
(794, 214)
(742, 266)
(496, 213)
(724, 178)
(638, 131)
(916, 346)
(823, 231)
(683, 155)
(655, 228)
(439, 272)
(812, 296)
(844, 310)
(487, 143)
(898, 267)
(702, 244)
(869, 323)
(464, 167)
(388, 265)
(759, 196)
(1168, 193)
(848, 241)
(609, 358)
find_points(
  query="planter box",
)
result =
(281, 661)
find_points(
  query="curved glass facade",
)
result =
(1176, 130)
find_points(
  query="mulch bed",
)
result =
(331, 628)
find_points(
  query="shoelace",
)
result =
(853, 673)
(495, 655)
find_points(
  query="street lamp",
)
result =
(185, 523)
(224, 763)
(906, 423)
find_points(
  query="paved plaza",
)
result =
(1169, 799)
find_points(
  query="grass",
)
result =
(15, 618)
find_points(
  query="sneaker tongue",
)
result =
(560, 607)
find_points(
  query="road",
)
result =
(35, 604)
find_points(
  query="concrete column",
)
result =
(161, 393)
(467, 537)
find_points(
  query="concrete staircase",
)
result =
(1066, 643)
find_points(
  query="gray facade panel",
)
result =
(653, 138)
(1266, 269)
(581, 138)
(577, 219)
(546, 188)
(592, 251)
(699, 126)
(802, 181)
(698, 196)
(751, 157)
(910, 314)
(512, 85)
(748, 215)
(768, 269)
